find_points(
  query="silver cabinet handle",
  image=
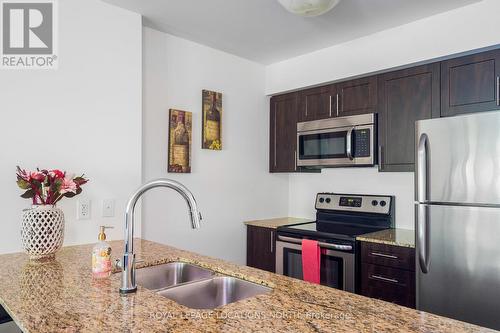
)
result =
(272, 241)
(320, 244)
(330, 105)
(377, 254)
(378, 277)
(295, 159)
(349, 144)
(337, 102)
(380, 162)
(498, 90)
(275, 146)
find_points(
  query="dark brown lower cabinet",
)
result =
(261, 248)
(388, 273)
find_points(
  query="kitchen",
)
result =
(144, 71)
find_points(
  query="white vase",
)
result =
(42, 231)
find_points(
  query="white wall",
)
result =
(463, 29)
(83, 117)
(231, 185)
(303, 189)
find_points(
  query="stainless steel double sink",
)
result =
(196, 287)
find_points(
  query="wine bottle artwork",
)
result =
(212, 120)
(179, 145)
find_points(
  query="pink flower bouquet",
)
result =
(47, 187)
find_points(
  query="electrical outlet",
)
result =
(83, 209)
(108, 208)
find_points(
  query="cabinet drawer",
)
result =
(388, 284)
(388, 255)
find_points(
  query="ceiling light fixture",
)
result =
(308, 8)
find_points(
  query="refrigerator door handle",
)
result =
(422, 237)
(422, 167)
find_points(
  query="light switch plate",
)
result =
(83, 209)
(108, 208)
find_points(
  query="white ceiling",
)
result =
(263, 31)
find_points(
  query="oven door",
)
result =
(344, 146)
(337, 266)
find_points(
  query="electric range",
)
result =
(340, 218)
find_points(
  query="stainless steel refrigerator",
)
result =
(458, 217)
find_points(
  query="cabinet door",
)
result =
(388, 284)
(388, 273)
(357, 96)
(317, 103)
(283, 133)
(470, 84)
(261, 248)
(405, 96)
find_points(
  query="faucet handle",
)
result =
(118, 264)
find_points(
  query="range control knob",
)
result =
(321, 200)
(328, 200)
(383, 203)
(375, 203)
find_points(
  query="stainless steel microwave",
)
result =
(335, 142)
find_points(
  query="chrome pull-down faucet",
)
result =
(128, 262)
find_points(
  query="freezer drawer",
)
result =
(461, 248)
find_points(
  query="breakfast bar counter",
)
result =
(62, 296)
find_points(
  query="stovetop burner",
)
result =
(333, 228)
(343, 217)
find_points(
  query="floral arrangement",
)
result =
(47, 187)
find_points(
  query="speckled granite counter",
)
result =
(61, 296)
(398, 237)
(278, 222)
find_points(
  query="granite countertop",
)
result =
(61, 296)
(397, 237)
(277, 222)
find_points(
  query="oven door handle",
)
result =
(349, 143)
(320, 244)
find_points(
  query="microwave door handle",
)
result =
(349, 143)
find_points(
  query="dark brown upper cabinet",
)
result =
(404, 97)
(470, 84)
(283, 133)
(317, 103)
(356, 97)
